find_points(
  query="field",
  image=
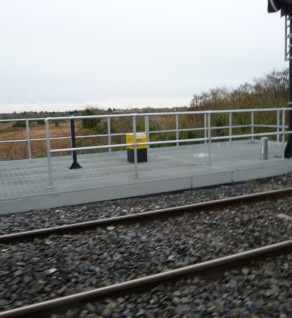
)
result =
(191, 127)
(19, 150)
(10, 131)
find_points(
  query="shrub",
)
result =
(89, 123)
(19, 124)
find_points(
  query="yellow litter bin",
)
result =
(141, 149)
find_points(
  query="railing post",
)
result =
(177, 128)
(28, 139)
(135, 146)
(146, 125)
(51, 185)
(283, 132)
(109, 137)
(230, 127)
(278, 126)
(209, 140)
(205, 127)
(252, 125)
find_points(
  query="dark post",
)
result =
(285, 6)
(75, 164)
(288, 149)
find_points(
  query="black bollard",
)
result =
(75, 164)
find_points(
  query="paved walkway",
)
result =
(25, 185)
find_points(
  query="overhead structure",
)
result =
(285, 7)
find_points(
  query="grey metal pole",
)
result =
(28, 139)
(264, 148)
(252, 126)
(47, 123)
(135, 146)
(283, 131)
(205, 127)
(146, 121)
(177, 128)
(230, 128)
(209, 140)
(278, 127)
(109, 138)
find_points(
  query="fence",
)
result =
(166, 128)
(24, 126)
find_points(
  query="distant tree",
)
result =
(88, 123)
(19, 124)
(269, 91)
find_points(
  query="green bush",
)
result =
(88, 123)
(19, 124)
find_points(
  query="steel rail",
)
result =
(132, 218)
(204, 268)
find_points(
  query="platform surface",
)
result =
(25, 184)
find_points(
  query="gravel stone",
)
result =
(60, 265)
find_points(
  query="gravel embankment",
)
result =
(43, 269)
(261, 290)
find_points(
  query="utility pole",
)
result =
(288, 149)
(285, 6)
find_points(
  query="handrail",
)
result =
(201, 112)
(206, 127)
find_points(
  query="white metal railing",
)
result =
(28, 140)
(207, 130)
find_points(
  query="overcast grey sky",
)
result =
(120, 53)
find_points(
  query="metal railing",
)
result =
(22, 123)
(28, 140)
(184, 128)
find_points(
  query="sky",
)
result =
(57, 55)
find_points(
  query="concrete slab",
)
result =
(25, 184)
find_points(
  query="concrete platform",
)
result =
(25, 185)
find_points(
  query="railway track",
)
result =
(197, 228)
(150, 215)
(212, 267)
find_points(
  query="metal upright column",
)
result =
(47, 123)
(285, 7)
(209, 140)
(109, 138)
(135, 146)
(177, 128)
(288, 149)
(28, 139)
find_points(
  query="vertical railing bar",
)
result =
(209, 139)
(135, 146)
(205, 127)
(230, 127)
(252, 126)
(278, 127)
(283, 133)
(51, 184)
(109, 138)
(28, 139)
(146, 126)
(177, 128)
